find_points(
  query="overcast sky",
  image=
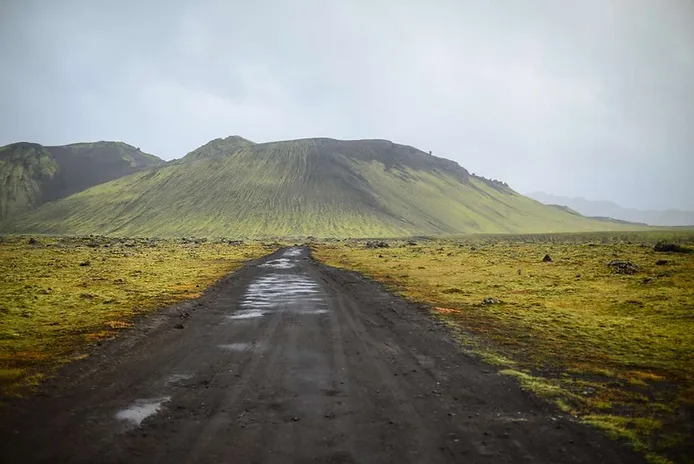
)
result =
(589, 98)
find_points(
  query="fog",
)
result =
(592, 99)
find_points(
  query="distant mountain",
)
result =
(32, 174)
(321, 187)
(670, 217)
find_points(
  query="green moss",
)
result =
(495, 359)
(632, 429)
(31, 174)
(538, 385)
(52, 304)
(597, 344)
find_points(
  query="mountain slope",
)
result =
(670, 217)
(320, 187)
(31, 174)
(218, 147)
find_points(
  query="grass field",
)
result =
(58, 295)
(614, 349)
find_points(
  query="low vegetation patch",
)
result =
(58, 295)
(604, 328)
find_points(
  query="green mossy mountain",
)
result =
(33, 174)
(218, 147)
(321, 187)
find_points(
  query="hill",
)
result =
(321, 187)
(32, 174)
(218, 147)
(669, 217)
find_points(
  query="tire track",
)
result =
(220, 418)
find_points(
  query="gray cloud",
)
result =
(589, 99)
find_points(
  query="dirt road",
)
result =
(288, 361)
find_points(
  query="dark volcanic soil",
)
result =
(288, 361)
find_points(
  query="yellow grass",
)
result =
(601, 345)
(60, 294)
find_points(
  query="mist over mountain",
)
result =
(669, 217)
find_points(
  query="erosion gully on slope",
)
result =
(288, 360)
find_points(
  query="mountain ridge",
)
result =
(213, 148)
(609, 209)
(317, 186)
(32, 174)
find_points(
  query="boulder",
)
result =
(664, 247)
(623, 267)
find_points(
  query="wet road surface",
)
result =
(289, 361)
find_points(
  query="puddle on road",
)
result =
(284, 262)
(175, 378)
(141, 410)
(297, 293)
(275, 289)
(308, 312)
(279, 263)
(246, 314)
(292, 253)
(236, 346)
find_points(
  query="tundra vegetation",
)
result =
(59, 295)
(601, 324)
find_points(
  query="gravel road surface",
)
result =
(290, 361)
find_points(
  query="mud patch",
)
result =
(141, 410)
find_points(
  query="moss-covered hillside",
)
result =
(319, 187)
(32, 174)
